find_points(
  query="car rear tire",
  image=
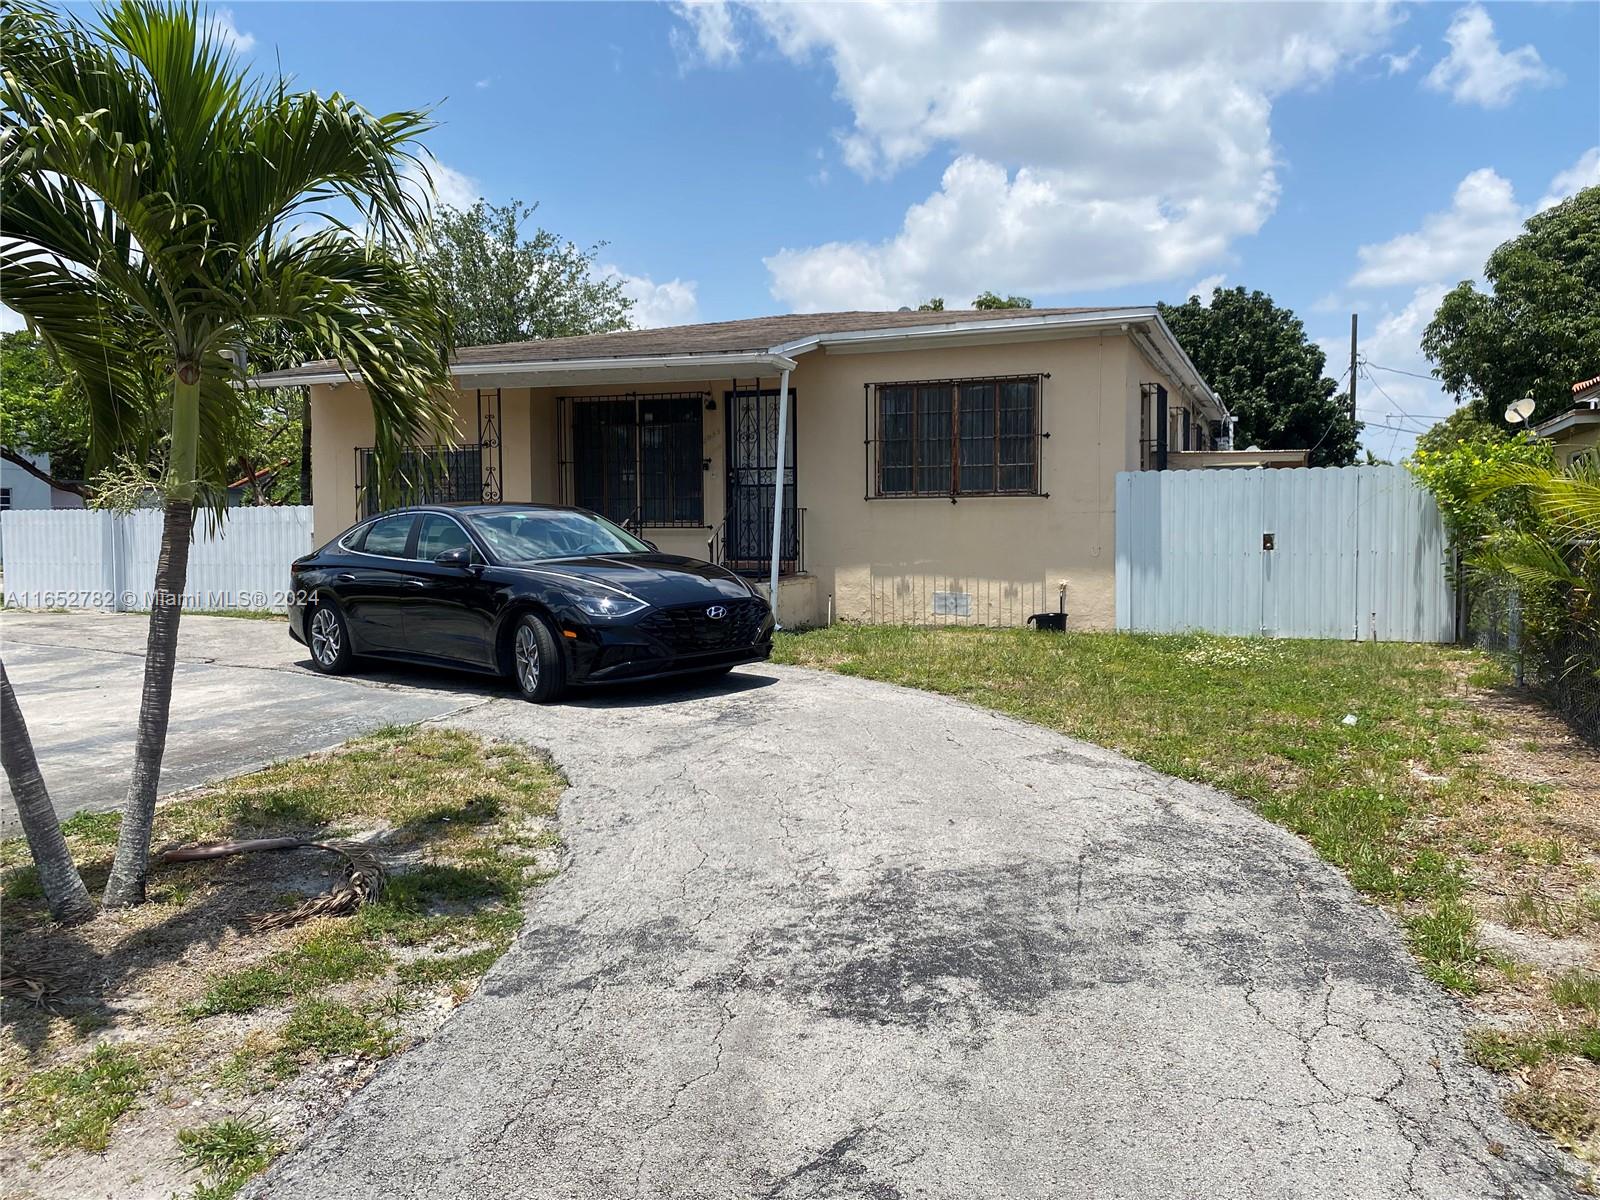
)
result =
(537, 664)
(328, 638)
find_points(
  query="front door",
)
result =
(752, 477)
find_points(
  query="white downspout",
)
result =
(777, 489)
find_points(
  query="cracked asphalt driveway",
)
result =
(821, 937)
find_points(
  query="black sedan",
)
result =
(549, 596)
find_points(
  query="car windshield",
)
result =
(531, 535)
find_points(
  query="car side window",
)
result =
(439, 534)
(389, 536)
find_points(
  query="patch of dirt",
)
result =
(1533, 879)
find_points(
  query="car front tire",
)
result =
(536, 661)
(328, 638)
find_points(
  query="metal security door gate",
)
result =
(752, 474)
(1327, 552)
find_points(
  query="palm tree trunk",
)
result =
(132, 864)
(64, 892)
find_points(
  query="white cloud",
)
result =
(484, 83)
(656, 304)
(1203, 288)
(1399, 64)
(10, 320)
(1477, 71)
(443, 184)
(711, 37)
(229, 33)
(1066, 169)
(1451, 244)
(1582, 174)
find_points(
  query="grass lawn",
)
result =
(177, 1044)
(1403, 765)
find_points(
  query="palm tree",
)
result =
(164, 211)
(1551, 553)
(64, 893)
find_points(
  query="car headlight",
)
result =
(608, 605)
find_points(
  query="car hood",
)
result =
(659, 579)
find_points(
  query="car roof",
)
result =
(480, 507)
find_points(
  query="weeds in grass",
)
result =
(1578, 989)
(1445, 938)
(225, 1154)
(94, 828)
(1564, 1115)
(326, 1027)
(74, 1106)
(319, 960)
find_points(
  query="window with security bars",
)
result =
(957, 437)
(638, 460)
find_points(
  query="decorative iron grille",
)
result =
(955, 437)
(752, 482)
(426, 475)
(637, 459)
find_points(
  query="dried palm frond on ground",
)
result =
(363, 886)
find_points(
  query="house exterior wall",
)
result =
(877, 560)
(1576, 440)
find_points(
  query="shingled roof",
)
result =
(755, 334)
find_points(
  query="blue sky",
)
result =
(741, 160)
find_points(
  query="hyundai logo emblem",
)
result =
(716, 612)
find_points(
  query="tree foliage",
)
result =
(1537, 330)
(991, 300)
(40, 410)
(504, 286)
(1257, 358)
(1464, 424)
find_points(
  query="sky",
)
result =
(745, 159)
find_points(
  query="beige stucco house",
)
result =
(953, 466)
(1575, 432)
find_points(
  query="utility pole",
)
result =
(1352, 366)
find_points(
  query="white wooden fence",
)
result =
(1321, 552)
(82, 558)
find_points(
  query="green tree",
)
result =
(1464, 424)
(40, 412)
(1537, 330)
(1257, 358)
(935, 304)
(503, 286)
(990, 300)
(157, 204)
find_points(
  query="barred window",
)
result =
(958, 437)
(637, 460)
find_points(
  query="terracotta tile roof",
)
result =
(1586, 384)
(717, 337)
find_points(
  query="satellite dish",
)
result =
(1519, 411)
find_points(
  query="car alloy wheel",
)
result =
(527, 658)
(326, 641)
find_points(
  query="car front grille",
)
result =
(686, 629)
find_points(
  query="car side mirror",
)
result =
(459, 557)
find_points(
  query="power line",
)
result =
(1397, 371)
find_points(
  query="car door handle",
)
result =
(345, 577)
(422, 583)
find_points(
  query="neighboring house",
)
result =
(940, 466)
(1576, 431)
(20, 489)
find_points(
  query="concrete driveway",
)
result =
(243, 696)
(820, 937)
